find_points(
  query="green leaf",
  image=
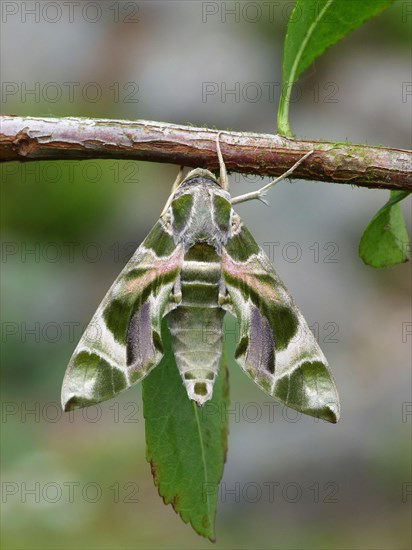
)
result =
(314, 25)
(186, 444)
(385, 240)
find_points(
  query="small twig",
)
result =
(31, 139)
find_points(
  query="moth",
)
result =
(198, 263)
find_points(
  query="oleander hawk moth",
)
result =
(197, 263)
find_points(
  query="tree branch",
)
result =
(29, 139)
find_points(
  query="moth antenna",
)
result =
(224, 182)
(263, 190)
(178, 180)
(175, 185)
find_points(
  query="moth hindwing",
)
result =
(197, 263)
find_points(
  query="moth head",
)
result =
(199, 175)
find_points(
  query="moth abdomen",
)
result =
(196, 324)
(197, 345)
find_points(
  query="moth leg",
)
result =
(224, 299)
(224, 182)
(175, 185)
(176, 294)
(260, 193)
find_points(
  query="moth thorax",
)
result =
(201, 227)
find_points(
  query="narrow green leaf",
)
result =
(314, 25)
(186, 444)
(385, 240)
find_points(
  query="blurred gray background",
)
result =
(80, 480)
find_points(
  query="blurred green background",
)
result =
(80, 480)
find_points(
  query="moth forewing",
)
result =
(276, 348)
(122, 342)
